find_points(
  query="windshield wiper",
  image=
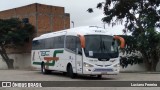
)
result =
(104, 46)
(100, 48)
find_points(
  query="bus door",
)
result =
(78, 56)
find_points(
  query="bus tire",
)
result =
(44, 70)
(70, 72)
(64, 73)
(99, 76)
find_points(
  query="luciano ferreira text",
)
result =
(144, 85)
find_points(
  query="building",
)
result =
(45, 18)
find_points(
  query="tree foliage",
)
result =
(130, 54)
(13, 33)
(142, 18)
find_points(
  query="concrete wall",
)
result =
(158, 66)
(138, 67)
(23, 61)
(2, 64)
(134, 68)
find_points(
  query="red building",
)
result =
(45, 18)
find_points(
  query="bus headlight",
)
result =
(117, 65)
(112, 60)
(87, 64)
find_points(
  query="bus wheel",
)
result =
(64, 73)
(99, 76)
(44, 70)
(70, 72)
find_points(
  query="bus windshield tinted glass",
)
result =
(101, 46)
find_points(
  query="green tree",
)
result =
(13, 33)
(130, 54)
(142, 18)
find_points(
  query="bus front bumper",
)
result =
(101, 71)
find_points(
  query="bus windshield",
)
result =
(101, 46)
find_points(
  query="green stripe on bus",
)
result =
(53, 62)
(49, 64)
(37, 63)
(56, 52)
(54, 55)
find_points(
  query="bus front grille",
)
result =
(103, 70)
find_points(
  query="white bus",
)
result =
(88, 50)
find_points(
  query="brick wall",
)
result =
(45, 18)
(51, 18)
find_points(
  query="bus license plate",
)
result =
(104, 73)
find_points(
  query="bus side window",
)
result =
(48, 43)
(78, 45)
(42, 44)
(59, 42)
(35, 45)
(52, 43)
(71, 43)
(38, 44)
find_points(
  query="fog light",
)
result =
(112, 60)
(117, 65)
(87, 64)
(88, 69)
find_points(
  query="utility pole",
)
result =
(72, 23)
(64, 22)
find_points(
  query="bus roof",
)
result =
(84, 30)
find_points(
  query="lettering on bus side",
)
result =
(53, 59)
(44, 53)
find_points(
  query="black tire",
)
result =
(44, 70)
(64, 73)
(99, 76)
(70, 72)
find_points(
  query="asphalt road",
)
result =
(26, 75)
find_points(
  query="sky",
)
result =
(76, 8)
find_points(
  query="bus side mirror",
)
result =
(122, 41)
(82, 40)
